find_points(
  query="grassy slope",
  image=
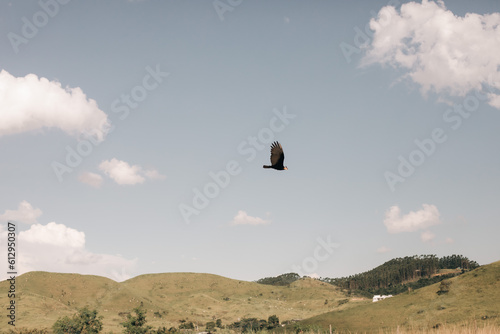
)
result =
(44, 297)
(472, 296)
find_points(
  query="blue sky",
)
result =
(116, 115)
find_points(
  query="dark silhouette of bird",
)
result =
(277, 157)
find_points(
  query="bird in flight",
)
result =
(277, 157)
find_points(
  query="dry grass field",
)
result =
(44, 297)
(471, 303)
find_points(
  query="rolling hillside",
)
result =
(471, 297)
(44, 297)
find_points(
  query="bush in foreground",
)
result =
(85, 321)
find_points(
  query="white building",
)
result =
(376, 298)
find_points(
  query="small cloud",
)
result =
(121, 172)
(383, 249)
(313, 275)
(31, 104)
(55, 235)
(413, 221)
(153, 174)
(286, 19)
(449, 240)
(92, 179)
(242, 218)
(125, 174)
(25, 213)
(427, 236)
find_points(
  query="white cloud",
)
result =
(413, 221)
(242, 218)
(124, 174)
(30, 103)
(121, 172)
(383, 249)
(440, 51)
(427, 236)
(153, 174)
(58, 248)
(54, 234)
(25, 213)
(92, 179)
(449, 240)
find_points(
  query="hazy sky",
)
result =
(133, 134)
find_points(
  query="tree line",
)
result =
(281, 280)
(396, 272)
(392, 277)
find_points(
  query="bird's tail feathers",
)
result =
(267, 166)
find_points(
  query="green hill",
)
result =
(471, 297)
(43, 297)
(399, 274)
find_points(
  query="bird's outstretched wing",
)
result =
(277, 155)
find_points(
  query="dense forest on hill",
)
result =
(398, 274)
(394, 276)
(281, 280)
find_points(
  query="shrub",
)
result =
(136, 324)
(210, 326)
(444, 287)
(85, 321)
